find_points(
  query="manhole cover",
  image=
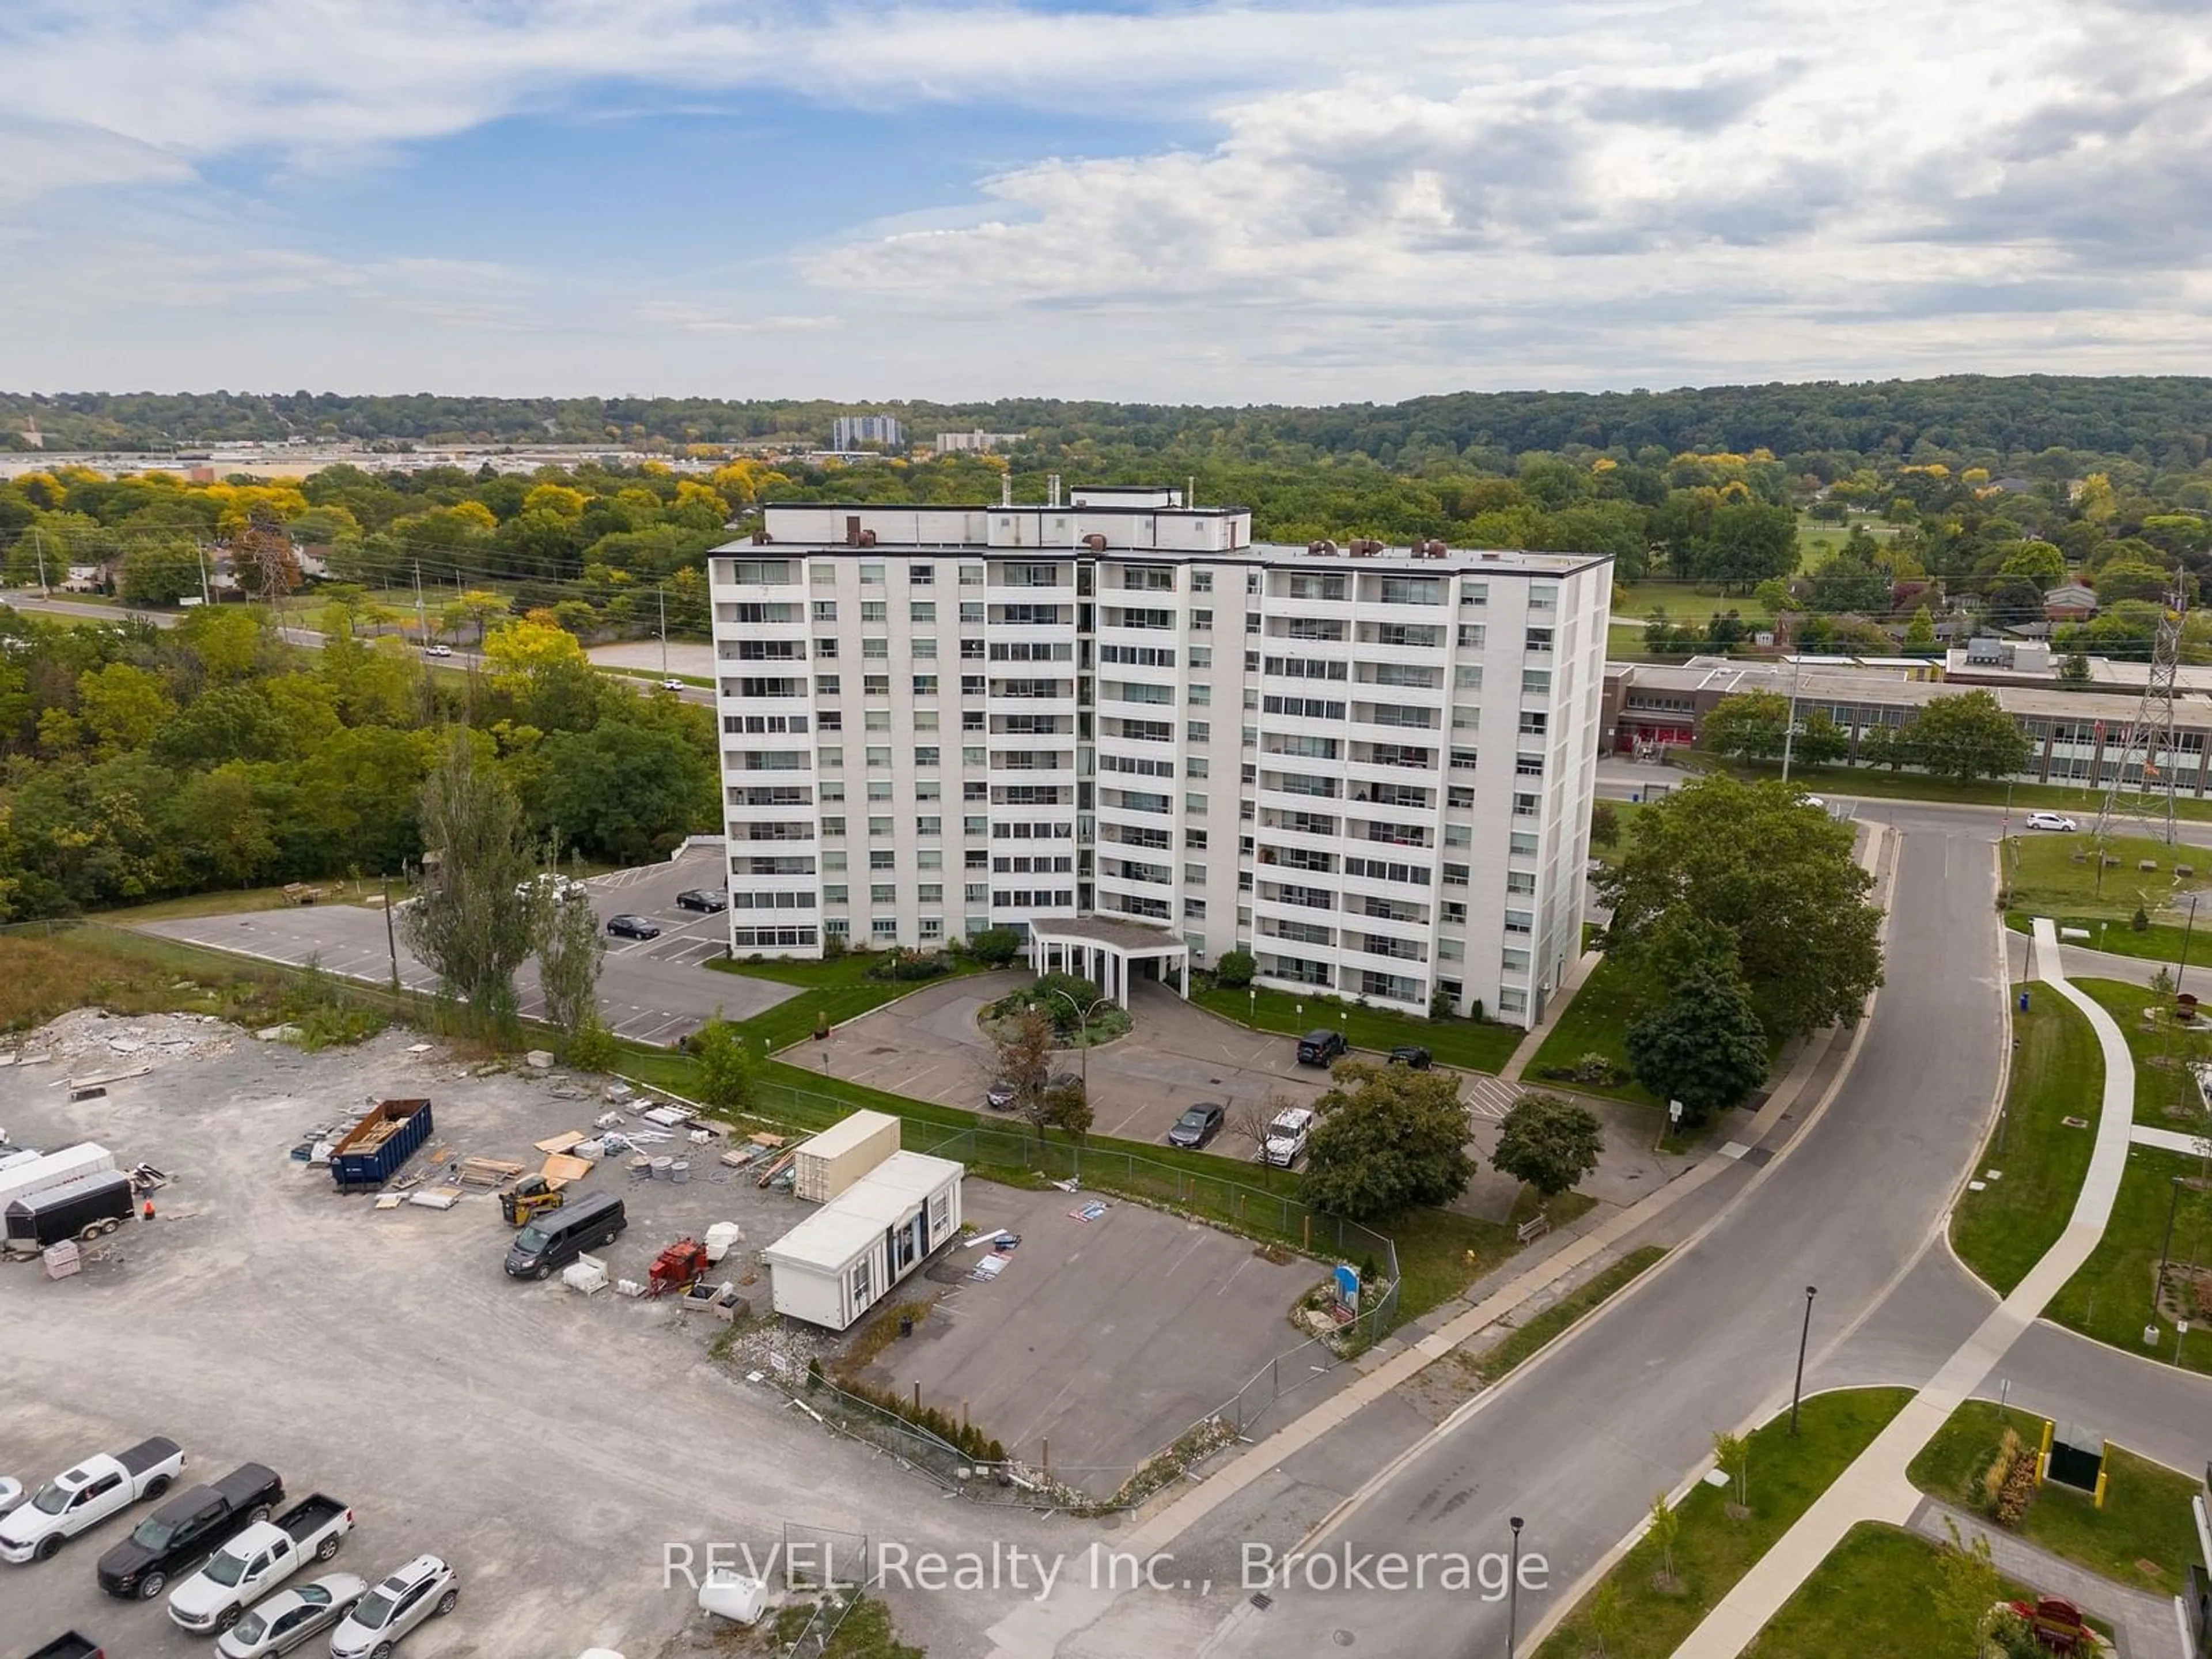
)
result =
(1343, 1638)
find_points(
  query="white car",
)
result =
(423, 1587)
(2050, 821)
(1286, 1137)
(671, 685)
(279, 1623)
(437, 650)
(558, 886)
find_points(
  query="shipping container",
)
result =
(374, 1149)
(842, 1154)
(76, 1209)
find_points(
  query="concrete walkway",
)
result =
(1875, 1487)
(2168, 1140)
(2143, 1623)
(1526, 1050)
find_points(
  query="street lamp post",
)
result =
(1082, 1031)
(2165, 1250)
(1797, 1389)
(2188, 928)
(1513, 1591)
(1789, 726)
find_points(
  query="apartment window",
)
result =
(1195, 801)
(1194, 909)
(1529, 766)
(835, 892)
(1201, 622)
(875, 650)
(1194, 841)
(1456, 875)
(925, 720)
(1520, 921)
(1533, 723)
(881, 927)
(871, 575)
(1410, 590)
(971, 575)
(925, 757)
(825, 610)
(1537, 681)
(920, 574)
(922, 611)
(824, 574)
(1525, 806)
(1462, 760)
(1474, 593)
(972, 755)
(1149, 578)
(1459, 795)
(971, 611)
(825, 685)
(1199, 730)
(833, 792)
(824, 649)
(1466, 717)
(1521, 843)
(831, 759)
(1201, 581)
(1200, 695)
(874, 611)
(1521, 883)
(1467, 676)
(834, 825)
(1197, 767)
(757, 573)
(930, 858)
(875, 685)
(881, 825)
(1540, 639)
(975, 824)
(1201, 656)
(832, 721)
(1459, 834)
(933, 927)
(925, 685)
(1473, 635)
(1543, 596)
(833, 861)
(1452, 950)
(1455, 912)
(971, 685)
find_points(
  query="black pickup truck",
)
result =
(70, 1645)
(187, 1530)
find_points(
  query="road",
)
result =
(1628, 1405)
(307, 638)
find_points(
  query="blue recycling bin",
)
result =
(2023, 1002)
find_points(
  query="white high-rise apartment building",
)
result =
(1116, 717)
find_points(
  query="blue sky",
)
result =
(1333, 200)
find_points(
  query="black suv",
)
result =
(1411, 1055)
(1323, 1047)
(187, 1530)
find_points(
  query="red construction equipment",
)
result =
(679, 1267)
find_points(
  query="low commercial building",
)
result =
(847, 1256)
(2076, 736)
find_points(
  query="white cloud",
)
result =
(1397, 198)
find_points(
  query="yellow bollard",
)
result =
(2102, 1476)
(2043, 1454)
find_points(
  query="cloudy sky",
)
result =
(1126, 199)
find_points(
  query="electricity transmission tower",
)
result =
(2147, 747)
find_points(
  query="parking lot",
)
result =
(929, 1045)
(547, 1443)
(1100, 1339)
(650, 990)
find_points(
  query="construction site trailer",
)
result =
(842, 1260)
(833, 1160)
(38, 1175)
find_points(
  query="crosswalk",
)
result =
(1486, 1095)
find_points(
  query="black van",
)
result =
(557, 1238)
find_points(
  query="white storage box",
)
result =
(587, 1274)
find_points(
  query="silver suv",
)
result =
(412, 1593)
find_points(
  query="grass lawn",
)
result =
(1596, 1023)
(831, 992)
(1875, 1596)
(2057, 1072)
(2166, 1093)
(2047, 882)
(1472, 1045)
(1690, 601)
(1783, 1476)
(2145, 1535)
(2080, 804)
(1547, 1326)
(234, 901)
(2110, 1298)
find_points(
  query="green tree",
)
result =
(1780, 881)
(1665, 1531)
(1732, 1457)
(1746, 725)
(1548, 1143)
(1021, 1053)
(1235, 969)
(995, 947)
(728, 1072)
(1748, 543)
(1967, 1589)
(570, 950)
(1388, 1139)
(471, 925)
(623, 791)
(161, 572)
(1703, 1046)
(1820, 741)
(1605, 823)
(1920, 632)
(1849, 582)
(1065, 1107)
(122, 707)
(2133, 578)
(1967, 736)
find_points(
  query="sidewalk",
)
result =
(1526, 1049)
(2143, 1623)
(1875, 1487)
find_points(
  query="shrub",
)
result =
(834, 948)
(902, 965)
(995, 947)
(1596, 1068)
(2140, 921)
(592, 1048)
(1235, 969)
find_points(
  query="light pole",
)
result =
(1513, 1589)
(2188, 928)
(1797, 1389)
(1789, 726)
(1082, 1031)
(2165, 1250)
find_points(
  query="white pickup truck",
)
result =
(256, 1561)
(79, 1499)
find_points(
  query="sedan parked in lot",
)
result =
(703, 899)
(279, 1623)
(628, 927)
(423, 1586)
(2050, 821)
(1198, 1125)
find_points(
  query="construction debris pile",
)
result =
(86, 1038)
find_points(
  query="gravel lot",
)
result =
(545, 1443)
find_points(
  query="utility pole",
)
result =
(662, 593)
(39, 546)
(422, 622)
(1790, 725)
(2186, 931)
(391, 936)
(199, 556)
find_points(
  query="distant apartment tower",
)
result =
(857, 431)
(1118, 725)
(978, 442)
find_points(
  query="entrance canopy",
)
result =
(1104, 949)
